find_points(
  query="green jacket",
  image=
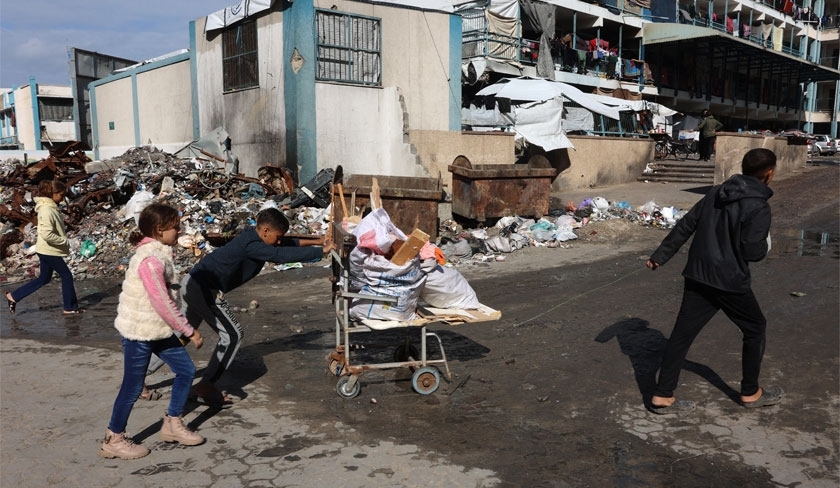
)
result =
(708, 127)
(52, 238)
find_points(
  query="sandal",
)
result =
(150, 395)
(769, 396)
(207, 394)
(678, 407)
(12, 303)
(74, 312)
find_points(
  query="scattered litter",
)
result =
(797, 293)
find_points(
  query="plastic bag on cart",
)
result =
(381, 277)
(447, 287)
(377, 233)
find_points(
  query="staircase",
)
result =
(701, 172)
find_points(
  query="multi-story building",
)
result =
(755, 64)
(35, 117)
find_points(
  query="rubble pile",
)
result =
(103, 200)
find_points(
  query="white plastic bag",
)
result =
(447, 287)
(377, 233)
(137, 203)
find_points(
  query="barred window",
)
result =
(349, 48)
(239, 56)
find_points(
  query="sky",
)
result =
(35, 35)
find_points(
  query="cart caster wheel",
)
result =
(426, 380)
(403, 352)
(346, 392)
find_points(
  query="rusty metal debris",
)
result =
(215, 205)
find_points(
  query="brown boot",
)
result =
(120, 446)
(174, 430)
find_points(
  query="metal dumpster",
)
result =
(487, 191)
(411, 202)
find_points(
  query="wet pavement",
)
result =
(548, 396)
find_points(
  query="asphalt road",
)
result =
(550, 395)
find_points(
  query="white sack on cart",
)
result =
(447, 287)
(381, 277)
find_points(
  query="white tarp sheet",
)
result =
(529, 89)
(505, 8)
(541, 124)
(233, 14)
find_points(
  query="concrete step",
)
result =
(677, 178)
(683, 166)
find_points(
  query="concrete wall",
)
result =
(730, 148)
(362, 130)
(415, 58)
(437, 150)
(165, 106)
(149, 105)
(598, 161)
(255, 118)
(24, 118)
(113, 106)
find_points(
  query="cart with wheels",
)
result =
(410, 353)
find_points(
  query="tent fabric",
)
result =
(541, 17)
(541, 124)
(529, 89)
(505, 8)
(235, 13)
(578, 119)
(501, 28)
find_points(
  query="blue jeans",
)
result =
(136, 359)
(48, 265)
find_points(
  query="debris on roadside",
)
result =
(104, 198)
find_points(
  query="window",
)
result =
(239, 56)
(55, 109)
(349, 48)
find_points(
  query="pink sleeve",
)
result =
(152, 275)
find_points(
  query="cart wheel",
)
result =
(403, 352)
(426, 380)
(343, 391)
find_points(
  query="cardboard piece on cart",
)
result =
(410, 248)
(428, 315)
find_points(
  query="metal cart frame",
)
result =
(426, 376)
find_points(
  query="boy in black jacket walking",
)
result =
(731, 226)
(226, 268)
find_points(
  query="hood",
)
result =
(739, 187)
(41, 202)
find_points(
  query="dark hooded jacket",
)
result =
(730, 226)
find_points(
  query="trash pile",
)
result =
(555, 231)
(104, 197)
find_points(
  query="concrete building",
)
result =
(755, 66)
(298, 85)
(35, 117)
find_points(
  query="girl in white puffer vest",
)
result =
(147, 319)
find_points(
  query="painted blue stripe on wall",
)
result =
(299, 89)
(455, 72)
(194, 83)
(36, 114)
